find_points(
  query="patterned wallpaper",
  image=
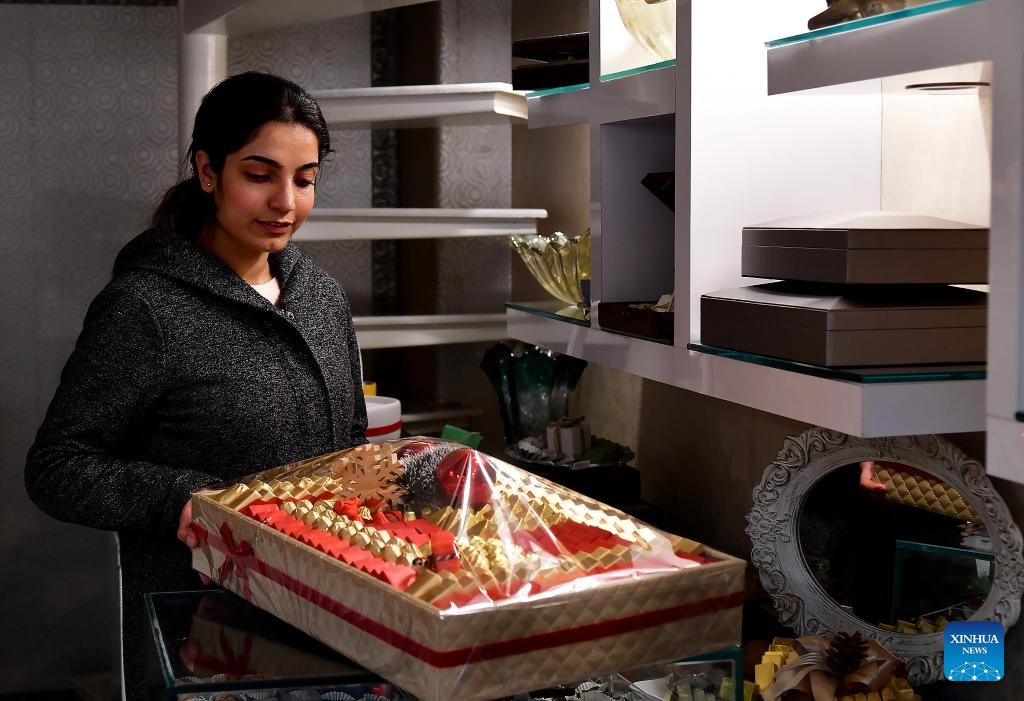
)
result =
(326, 55)
(88, 130)
(475, 161)
(475, 171)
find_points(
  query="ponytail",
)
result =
(185, 208)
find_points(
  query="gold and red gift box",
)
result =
(513, 585)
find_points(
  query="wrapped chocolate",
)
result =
(456, 575)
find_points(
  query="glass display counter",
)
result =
(212, 645)
(939, 581)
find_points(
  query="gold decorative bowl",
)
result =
(652, 23)
(557, 262)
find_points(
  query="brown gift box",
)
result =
(866, 247)
(848, 327)
(599, 625)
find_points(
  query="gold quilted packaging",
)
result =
(457, 576)
(923, 492)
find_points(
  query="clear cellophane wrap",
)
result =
(456, 575)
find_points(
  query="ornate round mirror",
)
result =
(891, 537)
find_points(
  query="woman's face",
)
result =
(264, 192)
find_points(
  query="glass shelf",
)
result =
(869, 375)
(636, 71)
(549, 310)
(856, 24)
(560, 90)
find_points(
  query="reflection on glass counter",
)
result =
(212, 643)
(935, 584)
(214, 646)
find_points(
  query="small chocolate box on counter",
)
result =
(854, 326)
(457, 576)
(867, 247)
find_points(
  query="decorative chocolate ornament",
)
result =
(466, 475)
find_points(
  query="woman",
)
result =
(216, 350)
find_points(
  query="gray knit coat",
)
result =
(184, 375)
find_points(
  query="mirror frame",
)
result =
(773, 525)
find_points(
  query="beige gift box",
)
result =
(592, 625)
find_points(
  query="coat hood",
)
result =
(171, 255)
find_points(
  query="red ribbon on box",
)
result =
(239, 557)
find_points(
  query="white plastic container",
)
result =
(385, 419)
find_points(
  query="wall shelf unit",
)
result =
(859, 409)
(381, 223)
(762, 156)
(942, 36)
(422, 106)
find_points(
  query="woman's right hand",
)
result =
(186, 534)
(868, 479)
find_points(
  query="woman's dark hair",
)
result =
(228, 118)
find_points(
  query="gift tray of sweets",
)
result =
(456, 575)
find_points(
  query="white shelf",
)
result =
(948, 36)
(382, 223)
(869, 410)
(428, 330)
(422, 105)
(236, 17)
